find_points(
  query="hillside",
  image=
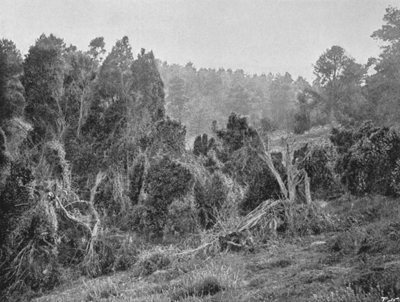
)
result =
(123, 177)
(362, 255)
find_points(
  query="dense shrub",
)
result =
(237, 133)
(55, 158)
(319, 161)
(235, 156)
(170, 134)
(107, 199)
(202, 145)
(262, 184)
(136, 179)
(5, 160)
(167, 135)
(342, 138)
(139, 219)
(182, 218)
(370, 164)
(15, 197)
(210, 196)
(166, 180)
(30, 261)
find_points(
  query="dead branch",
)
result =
(307, 188)
(197, 249)
(266, 157)
(69, 216)
(95, 215)
(254, 216)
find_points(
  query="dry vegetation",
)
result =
(356, 262)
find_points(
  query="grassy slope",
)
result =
(362, 255)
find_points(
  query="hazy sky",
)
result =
(256, 36)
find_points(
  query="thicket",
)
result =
(369, 159)
(166, 181)
(319, 160)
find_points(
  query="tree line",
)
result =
(343, 90)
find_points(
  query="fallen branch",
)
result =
(255, 216)
(197, 249)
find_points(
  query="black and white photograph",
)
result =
(200, 150)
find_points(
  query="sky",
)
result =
(258, 36)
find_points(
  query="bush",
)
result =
(166, 180)
(369, 161)
(31, 258)
(181, 218)
(168, 136)
(370, 164)
(59, 167)
(210, 196)
(202, 145)
(319, 161)
(15, 197)
(5, 160)
(237, 133)
(343, 139)
(152, 263)
(136, 178)
(262, 184)
(143, 220)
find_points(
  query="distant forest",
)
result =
(344, 91)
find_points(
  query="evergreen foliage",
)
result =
(5, 159)
(169, 136)
(210, 197)
(202, 145)
(262, 184)
(241, 162)
(319, 161)
(147, 81)
(370, 164)
(12, 99)
(43, 82)
(166, 180)
(237, 133)
(136, 178)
